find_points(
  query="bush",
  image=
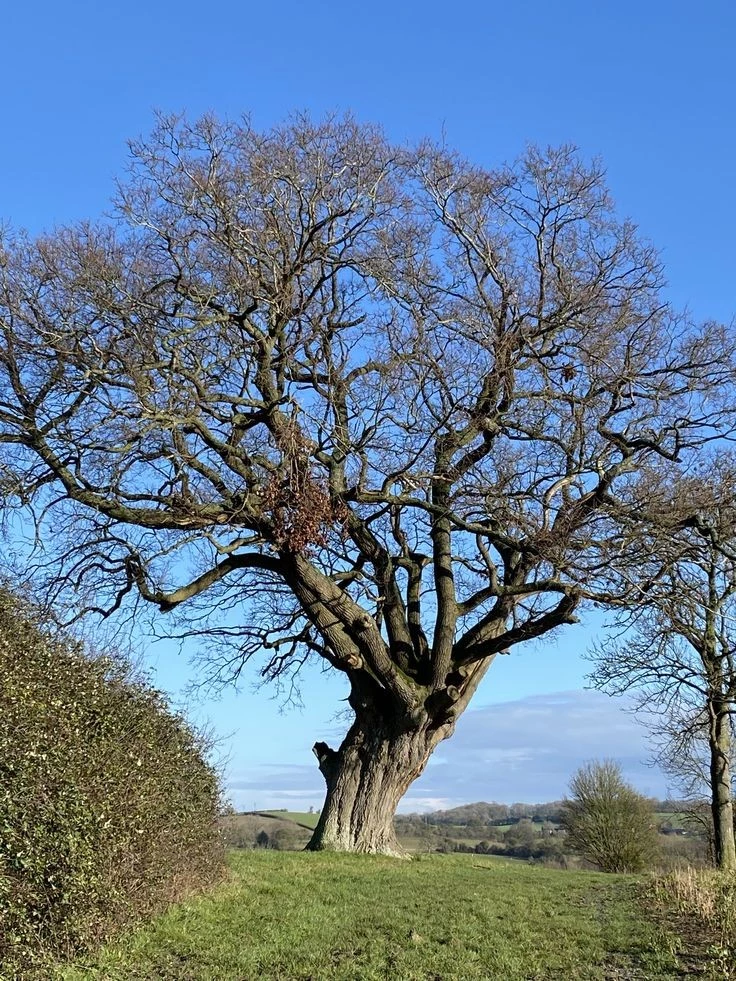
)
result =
(682, 852)
(522, 835)
(607, 821)
(107, 807)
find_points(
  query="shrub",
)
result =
(607, 821)
(682, 852)
(107, 806)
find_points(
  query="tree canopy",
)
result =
(332, 397)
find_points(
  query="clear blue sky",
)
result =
(648, 86)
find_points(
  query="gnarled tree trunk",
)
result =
(366, 778)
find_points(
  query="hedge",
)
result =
(108, 805)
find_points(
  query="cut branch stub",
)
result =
(326, 759)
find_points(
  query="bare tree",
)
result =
(679, 650)
(325, 397)
(681, 738)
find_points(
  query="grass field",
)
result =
(322, 916)
(299, 817)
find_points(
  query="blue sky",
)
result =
(648, 87)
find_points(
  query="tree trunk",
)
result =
(366, 778)
(720, 781)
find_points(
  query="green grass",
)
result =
(300, 817)
(322, 916)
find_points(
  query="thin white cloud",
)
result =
(420, 805)
(525, 750)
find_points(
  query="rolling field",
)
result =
(322, 916)
(298, 817)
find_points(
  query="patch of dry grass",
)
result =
(703, 904)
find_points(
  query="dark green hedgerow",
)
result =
(108, 807)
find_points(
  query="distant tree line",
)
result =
(489, 814)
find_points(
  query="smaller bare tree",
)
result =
(681, 737)
(677, 645)
(607, 821)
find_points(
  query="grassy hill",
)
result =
(298, 817)
(323, 916)
(242, 830)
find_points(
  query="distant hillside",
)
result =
(264, 830)
(490, 813)
(493, 813)
(305, 819)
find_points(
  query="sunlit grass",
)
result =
(323, 916)
(300, 817)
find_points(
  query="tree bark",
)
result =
(367, 777)
(720, 781)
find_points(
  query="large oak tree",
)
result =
(332, 398)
